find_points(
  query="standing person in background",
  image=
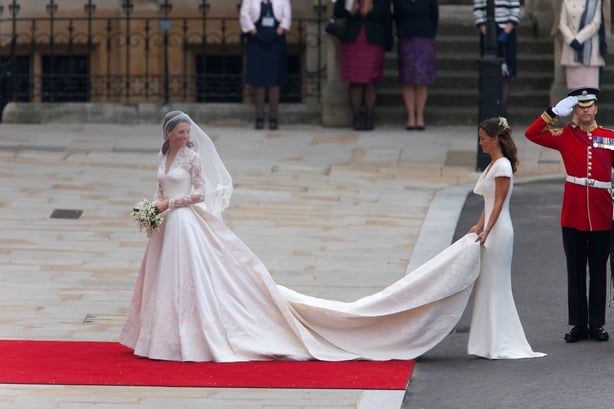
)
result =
(507, 17)
(582, 55)
(368, 34)
(266, 22)
(416, 26)
(586, 215)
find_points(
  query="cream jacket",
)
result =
(571, 11)
(250, 13)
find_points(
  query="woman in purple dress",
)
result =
(416, 26)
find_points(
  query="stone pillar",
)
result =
(558, 88)
(336, 109)
(315, 63)
(540, 13)
(544, 15)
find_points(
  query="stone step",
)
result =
(447, 43)
(463, 29)
(458, 116)
(530, 98)
(468, 61)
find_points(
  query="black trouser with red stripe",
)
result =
(584, 248)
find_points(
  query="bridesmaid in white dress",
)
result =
(496, 331)
(202, 295)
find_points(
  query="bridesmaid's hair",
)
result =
(169, 123)
(498, 126)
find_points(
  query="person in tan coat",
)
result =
(579, 25)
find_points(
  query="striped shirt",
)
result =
(506, 11)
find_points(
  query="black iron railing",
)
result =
(105, 55)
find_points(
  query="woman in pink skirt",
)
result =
(368, 34)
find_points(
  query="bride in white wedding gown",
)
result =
(202, 295)
(496, 331)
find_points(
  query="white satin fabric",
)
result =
(202, 295)
(496, 331)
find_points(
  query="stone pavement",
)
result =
(332, 212)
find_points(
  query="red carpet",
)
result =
(109, 363)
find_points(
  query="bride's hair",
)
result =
(498, 127)
(169, 123)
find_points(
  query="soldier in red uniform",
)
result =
(587, 151)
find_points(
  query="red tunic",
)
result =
(584, 208)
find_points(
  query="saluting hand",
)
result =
(565, 106)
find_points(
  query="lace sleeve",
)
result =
(159, 195)
(198, 185)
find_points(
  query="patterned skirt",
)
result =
(361, 62)
(416, 61)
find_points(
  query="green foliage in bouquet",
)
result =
(147, 216)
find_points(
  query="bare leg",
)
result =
(421, 95)
(409, 97)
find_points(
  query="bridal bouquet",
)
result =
(147, 216)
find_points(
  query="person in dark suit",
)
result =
(368, 34)
(416, 26)
(587, 150)
(266, 22)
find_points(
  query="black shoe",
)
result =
(598, 334)
(358, 123)
(576, 334)
(273, 123)
(369, 121)
(259, 123)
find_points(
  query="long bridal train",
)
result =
(205, 296)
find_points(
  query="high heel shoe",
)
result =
(259, 123)
(273, 123)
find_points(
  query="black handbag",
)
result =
(335, 28)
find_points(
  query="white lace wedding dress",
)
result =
(496, 331)
(202, 295)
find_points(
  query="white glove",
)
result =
(565, 106)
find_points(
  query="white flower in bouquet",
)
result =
(147, 216)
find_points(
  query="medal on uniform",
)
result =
(603, 142)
